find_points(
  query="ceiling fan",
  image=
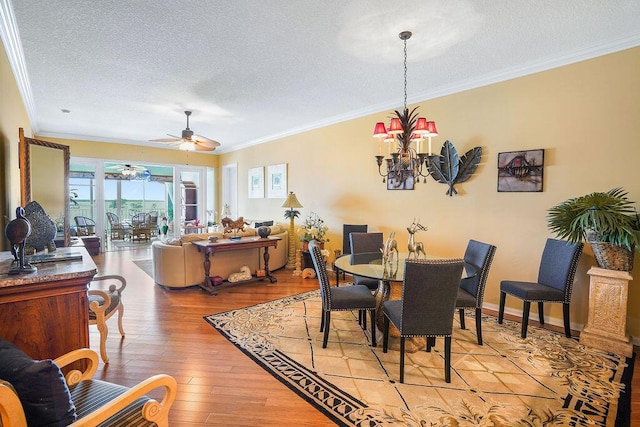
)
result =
(189, 141)
(129, 169)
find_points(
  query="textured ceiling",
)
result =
(254, 70)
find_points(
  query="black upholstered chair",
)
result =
(427, 306)
(346, 298)
(347, 229)
(366, 243)
(555, 282)
(471, 291)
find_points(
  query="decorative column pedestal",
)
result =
(607, 320)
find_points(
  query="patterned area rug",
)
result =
(545, 379)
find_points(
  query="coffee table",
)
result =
(208, 249)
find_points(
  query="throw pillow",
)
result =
(40, 386)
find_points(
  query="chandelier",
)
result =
(404, 167)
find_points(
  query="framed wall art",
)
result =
(520, 171)
(256, 183)
(277, 181)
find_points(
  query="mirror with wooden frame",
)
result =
(44, 177)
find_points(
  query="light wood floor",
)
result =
(218, 384)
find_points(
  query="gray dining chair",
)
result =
(427, 306)
(555, 283)
(345, 298)
(478, 257)
(366, 243)
(347, 229)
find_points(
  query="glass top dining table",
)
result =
(370, 265)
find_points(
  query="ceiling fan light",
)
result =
(187, 145)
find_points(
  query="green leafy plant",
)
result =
(606, 217)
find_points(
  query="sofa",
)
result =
(177, 263)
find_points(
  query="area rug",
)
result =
(145, 265)
(545, 379)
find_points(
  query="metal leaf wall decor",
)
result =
(449, 168)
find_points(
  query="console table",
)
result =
(46, 313)
(208, 249)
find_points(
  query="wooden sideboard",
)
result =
(46, 313)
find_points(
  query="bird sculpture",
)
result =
(17, 232)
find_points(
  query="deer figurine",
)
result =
(390, 246)
(415, 248)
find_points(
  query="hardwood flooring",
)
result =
(218, 384)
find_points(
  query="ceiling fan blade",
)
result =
(164, 140)
(204, 139)
(209, 143)
(201, 147)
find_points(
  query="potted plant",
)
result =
(607, 221)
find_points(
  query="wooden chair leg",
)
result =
(541, 312)
(385, 335)
(104, 331)
(525, 318)
(322, 322)
(503, 297)
(461, 311)
(447, 359)
(567, 323)
(364, 319)
(373, 328)
(120, 315)
(327, 323)
(479, 325)
(401, 359)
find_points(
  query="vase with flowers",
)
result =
(313, 228)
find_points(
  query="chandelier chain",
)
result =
(405, 74)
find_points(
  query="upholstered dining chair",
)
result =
(478, 256)
(366, 243)
(105, 303)
(345, 298)
(427, 306)
(555, 282)
(347, 229)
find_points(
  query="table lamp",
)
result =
(291, 203)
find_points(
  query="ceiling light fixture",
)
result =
(405, 166)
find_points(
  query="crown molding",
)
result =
(13, 48)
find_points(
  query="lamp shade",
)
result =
(292, 201)
(421, 126)
(395, 127)
(431, 129)
(380, 131)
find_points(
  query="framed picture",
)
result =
(520, 171)
(277, 181)
(256, 183)
(402, 180)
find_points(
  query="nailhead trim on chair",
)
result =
(91, 394)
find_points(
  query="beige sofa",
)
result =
(178, 264)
